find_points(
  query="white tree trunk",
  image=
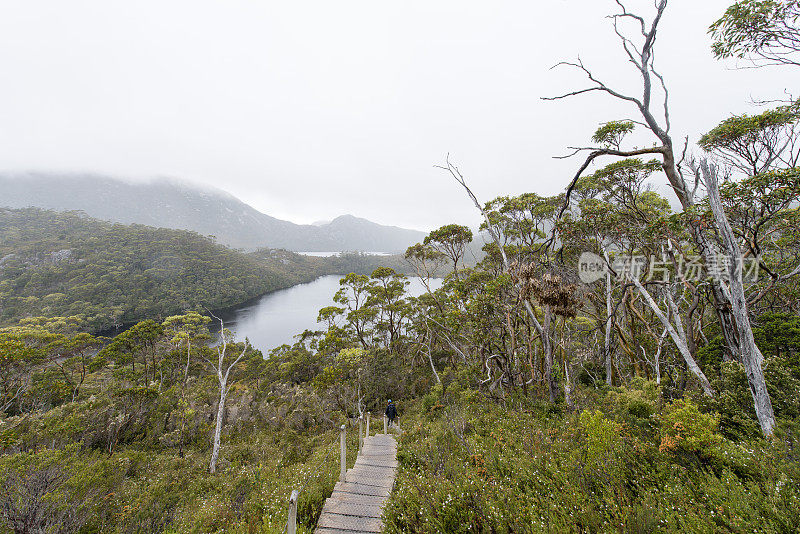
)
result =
(222, 375)
(430, 357)
(658, 356)
(223, 393)
(547, 345)
(749, 354)
(188, 360)
(607, 346)
(567, 386)
(678, 338)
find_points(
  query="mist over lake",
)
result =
(277, 317)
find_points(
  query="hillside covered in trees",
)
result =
(620, 360)
(66, 264)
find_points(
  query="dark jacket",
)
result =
(391, 411)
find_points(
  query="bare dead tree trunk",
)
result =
(223, 374)
(430, 357)
(547, 345)
(749, 354)
(609, 319)
(223, 393)
(641, 56)
(657, 357)
(677, 334)
(188, 359)
(567, 386)
(183, 396)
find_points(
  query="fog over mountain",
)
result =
(182, 205)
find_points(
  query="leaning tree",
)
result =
(638, 38)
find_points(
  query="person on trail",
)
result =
(391, 412)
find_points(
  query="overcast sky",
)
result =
(311, 109)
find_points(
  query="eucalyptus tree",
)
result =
(642, 217)
(353, 296)
(521, 225)
(39, 345)
(759, 143)
(21, 351)
(387, 290)
(222, 366)
(185, 330)
(619, 217)
(761, 197)
(329, 315)
(74, 356)
(497, 254)
(763, 31)
(598, 225)
(451, 240)
(764, 217)
(426, 262)
(138, 343)
(639, 50)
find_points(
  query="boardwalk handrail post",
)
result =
(360, 433)
(291, 523)
(366, 434)
(385, 424)
(343, 455)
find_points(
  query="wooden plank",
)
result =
(381, 456)
(372, 442)
(374, 482)
(382, 482)
(356, 504)
(352, 487)
(337, 506)
(372, 471)
(374, 462)
(350, 522)
(357, 498)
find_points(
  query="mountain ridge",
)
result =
(183, 205)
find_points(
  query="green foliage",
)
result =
(480, 467)
(635, 406)
(734, 404)
(601, 438)
(612, 133)
(61, 264)
(744, 130)
(685, 427)
(776, 334)
(450, 240)
(757, 28)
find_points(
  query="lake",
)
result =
(340, 253)
(277, 317)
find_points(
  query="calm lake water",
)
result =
(330, 254)
(277, 317)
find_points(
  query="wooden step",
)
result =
(356, 504)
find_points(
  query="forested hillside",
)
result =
(65, 264)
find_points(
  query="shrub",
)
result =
(685, 428)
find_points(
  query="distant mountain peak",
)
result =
(177, 203)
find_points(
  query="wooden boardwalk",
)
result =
(357, 502)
